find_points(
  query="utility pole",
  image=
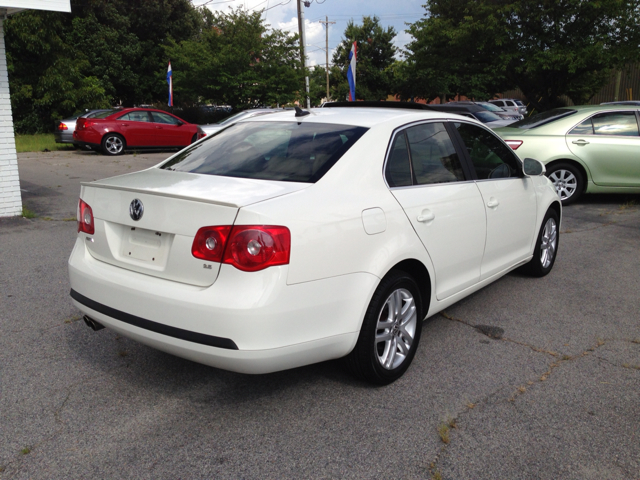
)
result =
(326, 24)
(303, 56)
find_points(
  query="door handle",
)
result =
(580, 142)
(493, 203)
(426, 216)
(159, 127)
(124, 124)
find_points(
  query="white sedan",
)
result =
(299, 237)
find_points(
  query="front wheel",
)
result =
(546, 250)
(113, 144)
(567, 180)
(390, 331)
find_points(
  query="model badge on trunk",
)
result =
(136, 209)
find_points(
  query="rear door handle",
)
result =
(426, 216)
(580, 142)
(493, 203)
(125, 124)
(159, 127)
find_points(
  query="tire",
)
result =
(546, 249)
(388, 338)
(113, 144)
(568, 181)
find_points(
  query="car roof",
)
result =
(358, 116)
(458, 107)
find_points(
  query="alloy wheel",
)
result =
(564, 182)
(549, 242)
(113, 145)
(396, 329)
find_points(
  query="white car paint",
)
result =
(348, 230)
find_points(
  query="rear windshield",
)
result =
(286, 151)
(543, 118)
(491, 107)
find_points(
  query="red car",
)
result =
(113, 131)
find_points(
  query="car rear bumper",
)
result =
(245, 322)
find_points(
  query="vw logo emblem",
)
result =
(136, 209)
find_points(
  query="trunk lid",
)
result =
(175, 206)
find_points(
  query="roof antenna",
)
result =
(300, 112)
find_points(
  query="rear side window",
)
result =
(135, 117)
(433, 156)
(491, 158)
(286, 151)
(423, 155)
(614, 123)
(500, 103)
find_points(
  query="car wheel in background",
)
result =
(546, 249)
(390, 331)
(113, 144)
(567, 180)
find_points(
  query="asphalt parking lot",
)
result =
(526, 379)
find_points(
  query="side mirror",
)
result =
(534, 167)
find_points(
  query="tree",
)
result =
(546, 48)
(236, 61)
(375, 56)
(317, 84)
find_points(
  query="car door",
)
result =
(441, 201)
(169, 131)
(508, 196)
(609, 144)
(136, 128)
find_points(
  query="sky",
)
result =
(282, 14)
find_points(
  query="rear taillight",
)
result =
(62, 126)
(247, 247)
(514, 144)
(85, 218)
(201, 133)
(209, 243)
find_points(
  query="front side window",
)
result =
(285, 151)
(135, 117)
(159, 117)
(491, 158)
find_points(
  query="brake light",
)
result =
(247, 247)
(209, 243)
(85, 218)
(62, 126)
(514, 144)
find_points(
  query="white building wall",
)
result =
(10, 198)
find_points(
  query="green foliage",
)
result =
(375, 57)
(236, 61)
(317, 85)
(546, 48)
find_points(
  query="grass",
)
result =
(39, 142)
(27, 213)
(25, 451)
(443, 431)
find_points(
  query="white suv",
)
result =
(511, 105)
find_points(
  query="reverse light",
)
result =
(514, 144)
(84, 216)
(249, 248)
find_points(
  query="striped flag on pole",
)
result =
(170, 82)
(351, 72)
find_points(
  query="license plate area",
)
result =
(145, 246)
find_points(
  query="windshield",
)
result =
(486, 117)
(103, 114)
(286, 151)
(543, 118)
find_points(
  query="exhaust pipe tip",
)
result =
(91, 323)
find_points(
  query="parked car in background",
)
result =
(476, 112)
(586, 149)
(511, 105)
(113, 131)
(208, 129)
(65, 128)
(303, 236)
(501, 112)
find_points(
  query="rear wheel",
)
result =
(113, 144)
(390, 331)
(567, 180)
(544, 254)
